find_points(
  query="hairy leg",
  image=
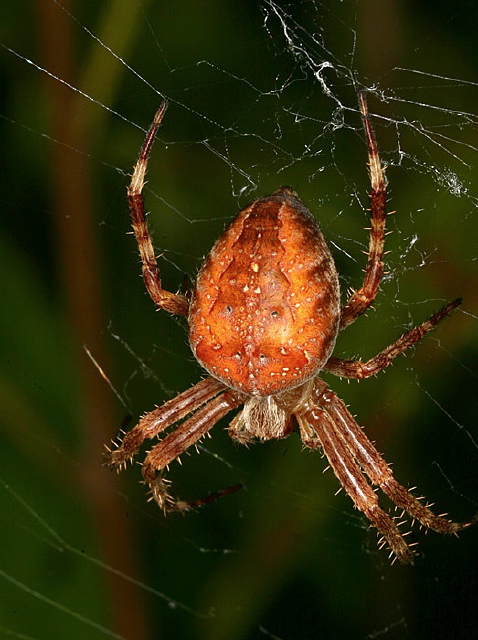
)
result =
(171, 302)
(361, 299)
(151, 424)
(179, 441)
(372, 463)
(318, 431)
(359, 369)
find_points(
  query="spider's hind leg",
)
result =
(170, 302)
(361, 299)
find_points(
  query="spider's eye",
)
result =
(274, 314)
(228, 309)
(262, 357)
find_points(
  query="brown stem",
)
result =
(79, 268)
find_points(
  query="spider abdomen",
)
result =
(265, 310)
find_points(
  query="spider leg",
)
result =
(171, 302)
(372, 463)
(319, 431)
(159, 419)
(181, 439)
(359, 369)
(364, 297)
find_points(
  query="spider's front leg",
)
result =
(153, 423)
(179, 441)
(375, 466)
(326, 422)
(319, 432)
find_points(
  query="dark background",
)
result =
(261, 95)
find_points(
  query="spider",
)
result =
(263, 319)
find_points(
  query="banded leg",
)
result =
(318, 431)
(375, 466)
(151, 424)
(171, 302)
(364, 297)
(358, 369)
(179, 441)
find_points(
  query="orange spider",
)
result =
(263, 319)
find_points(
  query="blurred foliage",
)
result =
(83, 554)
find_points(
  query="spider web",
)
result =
(261, 95)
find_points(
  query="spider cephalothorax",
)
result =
(263, 318)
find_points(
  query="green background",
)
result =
(261, 95)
